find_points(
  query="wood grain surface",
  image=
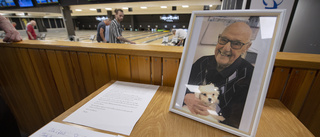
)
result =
(157, 121)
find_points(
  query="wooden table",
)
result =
(157, 121)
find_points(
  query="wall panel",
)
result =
(59, 73)
(141, 69)
(310, 112)
(69, 79)
(78, 75)
(100, 69)
(170, 71)
(18, 93)
(86, 70)
(156, 70)
(123, 67)
(45, 75)
(297, 88)
(112, 66)
(278, 82)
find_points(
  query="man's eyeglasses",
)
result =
(234, 44)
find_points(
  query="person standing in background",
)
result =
(115, 29)
(181, 35)
(30, 30)
(14, 24)
(101, 30)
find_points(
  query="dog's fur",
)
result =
(209, 96)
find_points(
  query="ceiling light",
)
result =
(125, 8)
(108, 8)
(210, 5)
(78, 9)
(143, 7)
(163, 7)
(93, 9)
(185, 6)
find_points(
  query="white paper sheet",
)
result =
(54, 129)
(116, 109)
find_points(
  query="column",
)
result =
(132, 22)
(67, 19)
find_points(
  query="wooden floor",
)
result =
(140, 37)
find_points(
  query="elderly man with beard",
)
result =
(226, 70)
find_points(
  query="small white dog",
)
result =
(209, 96)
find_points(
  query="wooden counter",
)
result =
(41, 79)
(157, 121)
(109, 48)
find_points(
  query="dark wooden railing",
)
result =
(41, 79)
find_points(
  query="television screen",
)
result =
(7, 3)
(25, 3)
(47, 1)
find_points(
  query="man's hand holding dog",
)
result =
(195, 105)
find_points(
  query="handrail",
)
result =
(297, 60)
(128, 49)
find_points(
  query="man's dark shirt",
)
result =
(233, 83)
(103, 26)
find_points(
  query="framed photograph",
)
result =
(226, 67)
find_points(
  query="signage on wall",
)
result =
(169, 18)
(101, 18)
(272, 5)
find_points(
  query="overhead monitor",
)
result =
(47, 1)
(25, 3)
(7, 3)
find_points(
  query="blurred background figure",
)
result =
(30, 30)
(14, 24)
(181, 35)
